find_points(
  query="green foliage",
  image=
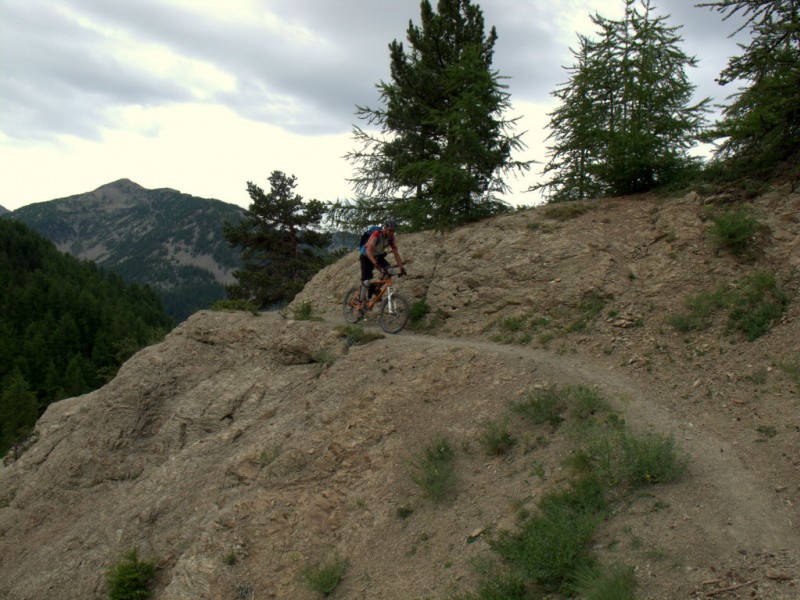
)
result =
(305, 312)
(616, 582)
(618, 457)
(759, 303)
(419, 310)
(544, 406)
(792, 368)
(325, 576)
(495, 437)
(761, 126)
(130, 579)
(433, 469)
(235, 305)
(138, 239)
(734, 231)
(281, 246)
(625, 122)
(18, 409)
(355, 335)
(442, 143)
(702, 307)
(554, 543)
(564, 211)
(753, 306)
(65, 326)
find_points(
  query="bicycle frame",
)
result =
(386, 288)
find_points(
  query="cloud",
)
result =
(113, 84)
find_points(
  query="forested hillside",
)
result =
(65, 326)
(163, 238)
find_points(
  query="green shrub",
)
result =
(760, 302)
(563, 211)
(305, 312)
(543, 407)
(616, 582)
(792, 368)
(325, 576)
(621, 458)
(418, 311)
(433, 469)
(734, 232)
(355, 335)
(553, 543)
(495, 437)
(234, 305)
(702, 307)
(130, 578)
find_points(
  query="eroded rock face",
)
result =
(243, 448)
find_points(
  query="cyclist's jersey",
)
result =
(382, 243)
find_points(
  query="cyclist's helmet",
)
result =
(390, 223)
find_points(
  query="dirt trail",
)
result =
(733, 493)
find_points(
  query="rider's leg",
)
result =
(366, 277)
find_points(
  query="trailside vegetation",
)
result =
(280, 241)
(626, 121)
(760, 128)
(433, 154)
(65, 327)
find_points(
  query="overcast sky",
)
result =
(205, 95)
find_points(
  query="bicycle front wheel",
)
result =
(394, 314)
(350, 305)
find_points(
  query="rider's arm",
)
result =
(397, 258)
(368, 250)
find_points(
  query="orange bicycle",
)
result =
(394, 307)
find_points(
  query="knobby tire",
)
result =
(393, 322)
(351, 313)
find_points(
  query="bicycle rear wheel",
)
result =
(350, 309)
(394, 314)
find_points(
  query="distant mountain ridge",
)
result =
(161, 237)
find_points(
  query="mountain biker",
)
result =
(373, 254)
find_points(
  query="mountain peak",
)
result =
(120, 185)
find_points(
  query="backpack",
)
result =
(366, 235)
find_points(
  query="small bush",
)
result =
(760, 302)
(495, 437)
(702, 307)
(617, 582)
(325, 576)
(792, 368)
(130, 578)
(586, 402)
(568, 210)
(234, 305)
(555, 542)
(621, 458)
(418, 311)
(434, 471)
(305, 312)
(355, 335)
(734, 231)
(543, 407)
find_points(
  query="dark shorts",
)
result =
(367, 268)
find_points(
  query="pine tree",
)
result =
(762, 124)
(282, 247)
(18, 409)
(625, 122)
(442, 143)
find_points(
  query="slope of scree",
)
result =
(245, 447)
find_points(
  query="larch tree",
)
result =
(626, 121)
(761, 125)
